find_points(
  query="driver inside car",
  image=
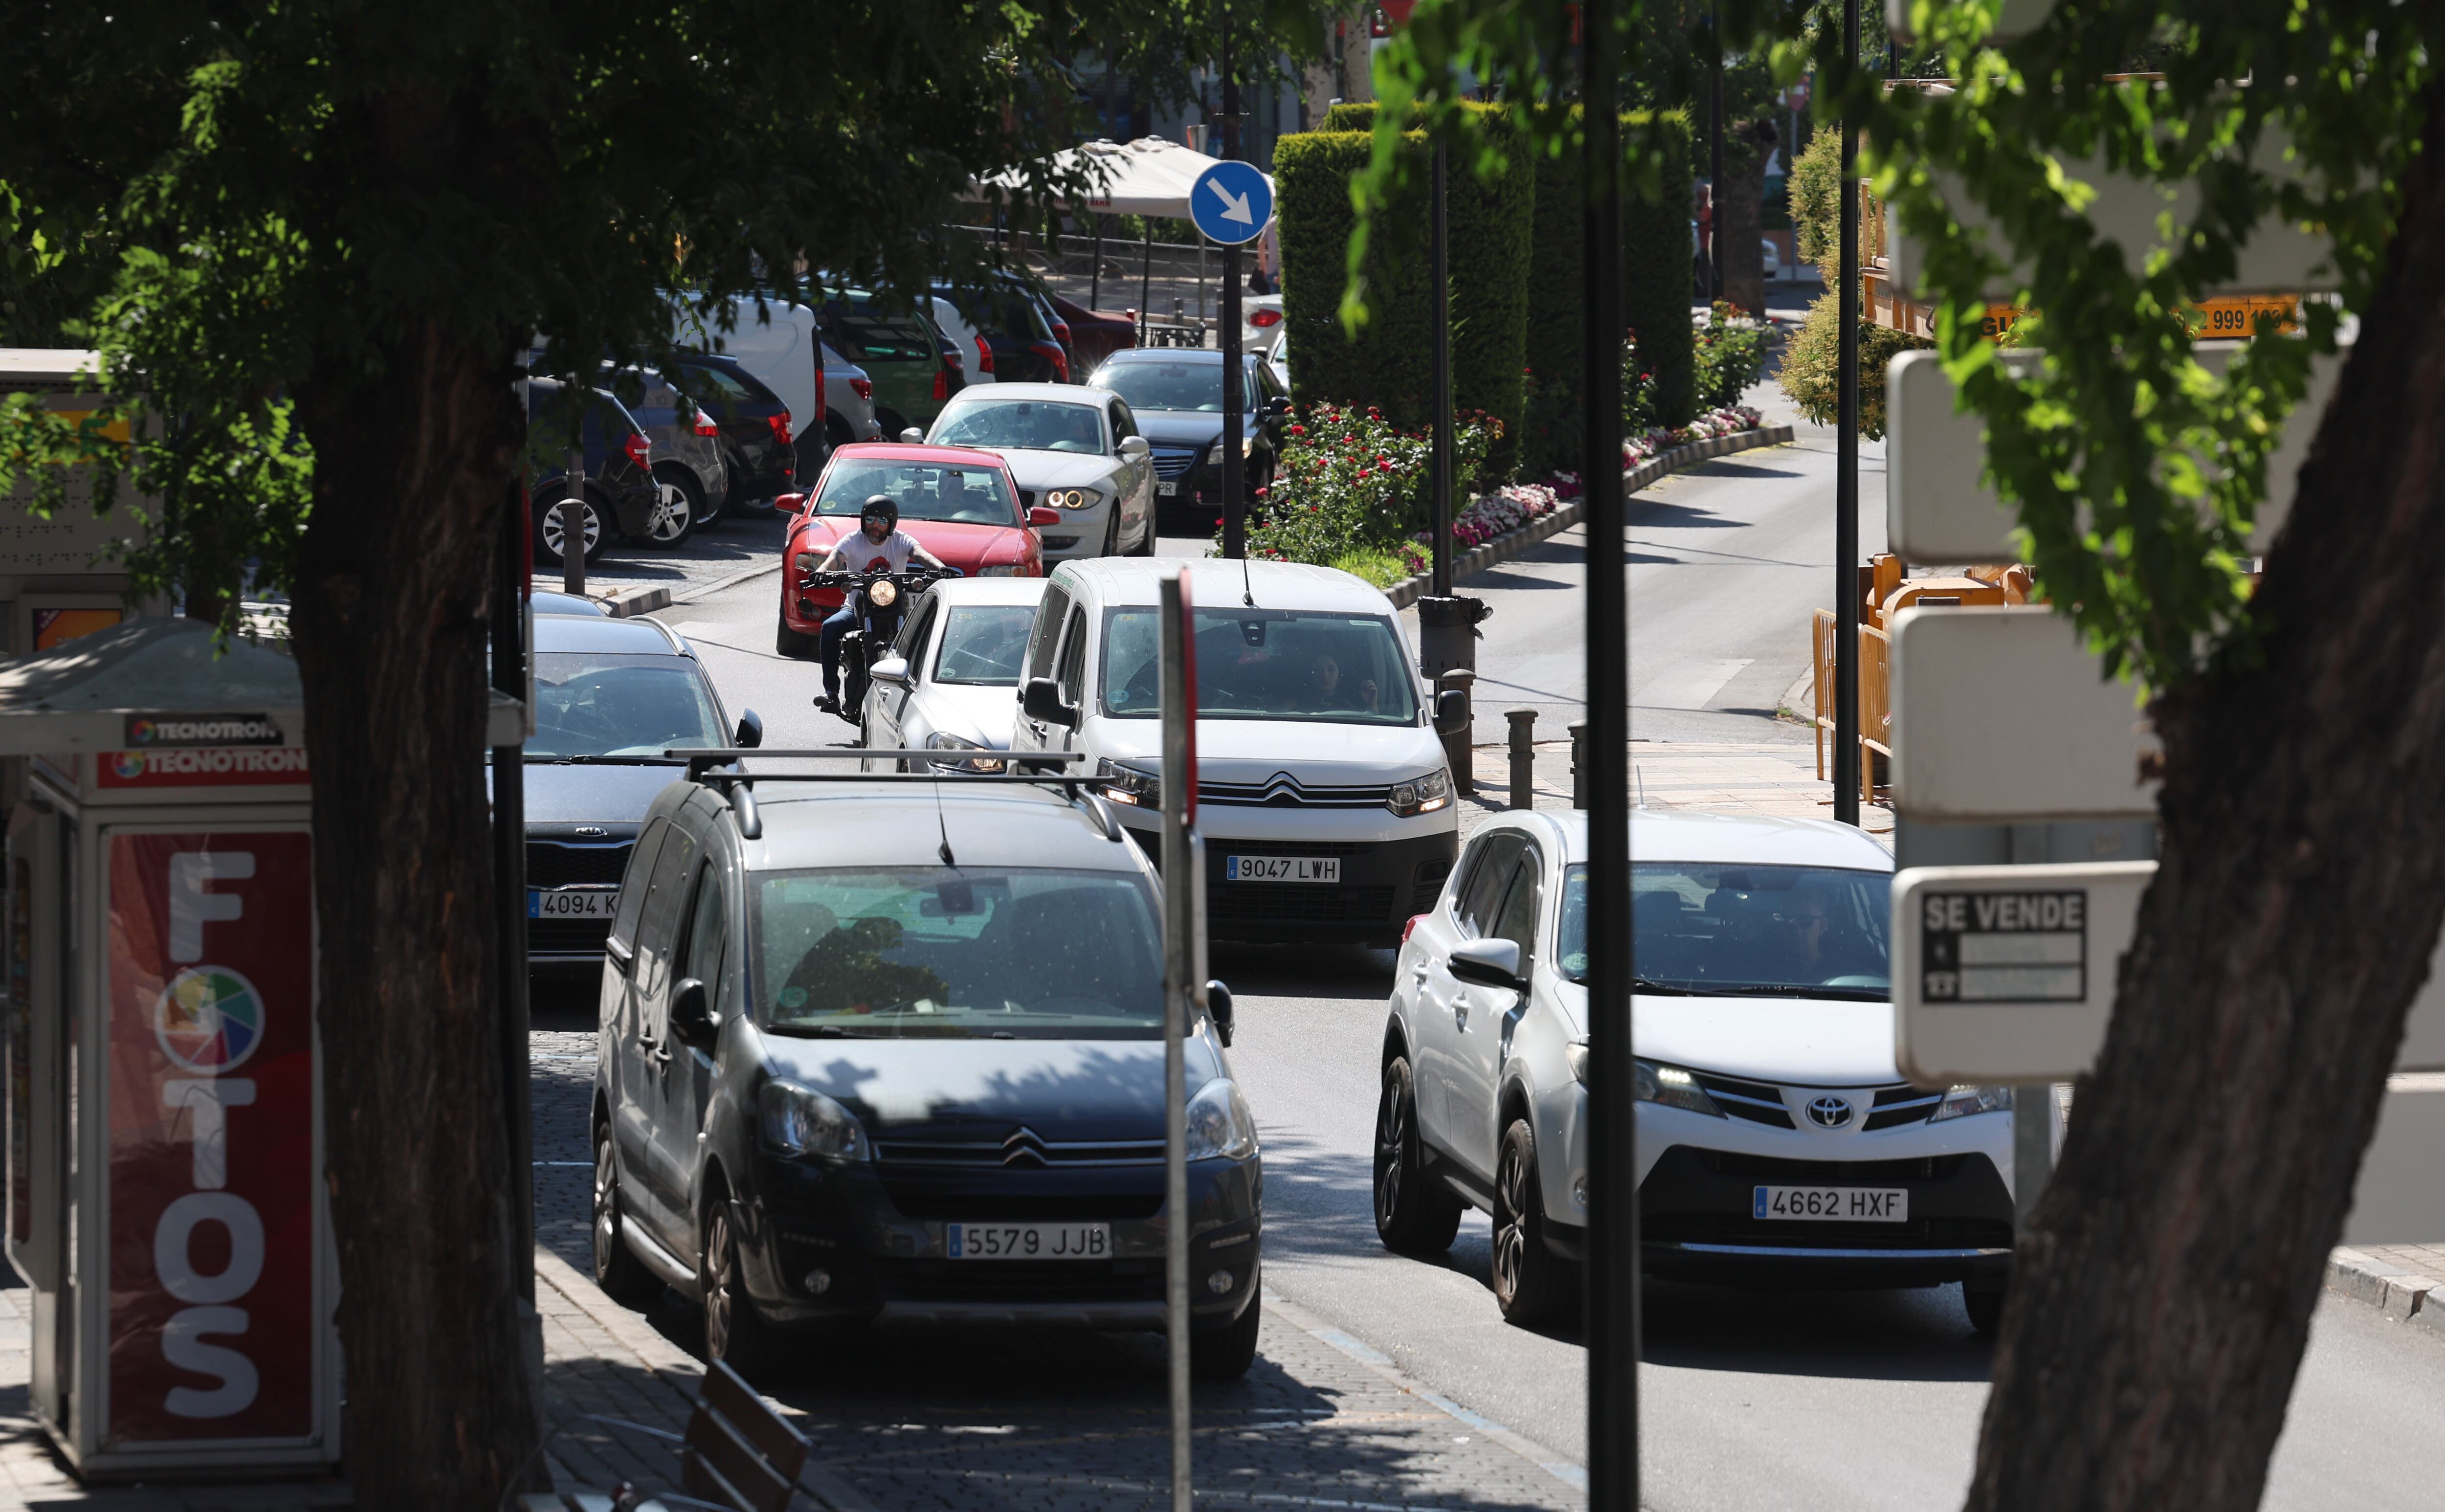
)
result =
(878, 544)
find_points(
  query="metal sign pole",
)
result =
(1183, 991)
(1235, 500)
(1611, 1273)
(1847, 754)
(1439, 274)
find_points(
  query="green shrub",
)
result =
(1658, 258)
(1731, 355)
(1392, 364)
(1817, 203)
(1811, 374)
(1350, 480)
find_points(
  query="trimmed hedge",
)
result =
(1658, 256)
(1391, 365)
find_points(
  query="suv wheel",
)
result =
(679, 507)
(617, 1270)
(733, 1332)
(1531, 1282)
(1225, 1353)
(1415, 1215)
(547, 533)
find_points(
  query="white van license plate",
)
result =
(1281, 869)
(1835, 1205)
(1026, 1241)
(590, 903)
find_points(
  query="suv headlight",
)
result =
(1671, 1087)
(1139, 790)
(795, 1120)
(1219, 1123)
(1420, 795)
(938, 741)
(1960, 1102)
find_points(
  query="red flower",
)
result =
(1298, 430)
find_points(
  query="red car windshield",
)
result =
(976, 495)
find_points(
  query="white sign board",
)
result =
(1938, 509)
(2000, 715)
(2399, 1198)
(2005, 974)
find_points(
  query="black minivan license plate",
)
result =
(572, 902)
(1026, 1241)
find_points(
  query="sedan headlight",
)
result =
(1071, 498)
(938, 741)
(795, 1120)
(1421, 795)
(1000, 569)
(1671, 1087)
(1139, 790)
(1214, 457)
(1960, 1102)
(1219, 1123)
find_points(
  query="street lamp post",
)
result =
(1235, 503)
(1715, 156)
(1846, 468)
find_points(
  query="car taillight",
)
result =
(985, 355)
(780, 424)
(942, 382)
(861, 387)
(1264, 318)
(704, 425)
(823, 407)
(1411, 924)
(640, 451)
(1061, 331)
(1054, 355)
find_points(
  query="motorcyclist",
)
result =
(878, 543)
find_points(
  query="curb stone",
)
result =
(1504, 548)
(2404, 1295)
(629, 603)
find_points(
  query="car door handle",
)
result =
(1460, 1013)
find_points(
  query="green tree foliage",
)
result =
(1817, 203)
(1811, 378)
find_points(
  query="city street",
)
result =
(1863, 1399)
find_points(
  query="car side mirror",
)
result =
(1040, 515)
(1217, 1007)
(1452, 712)
(1042, 699)
(691, 1012)
(912, 437)
(1489, 963)
(789, 503)
(1279, 406)
(891, 669)
(750, 733)
(1134, 446)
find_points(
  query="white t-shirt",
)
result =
(860, 554)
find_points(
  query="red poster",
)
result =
(203, 767)
(212, 1136)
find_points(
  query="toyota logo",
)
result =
(1829, 1113)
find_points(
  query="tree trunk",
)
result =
(1740, 219)
(2163, 1296)
(391, 634)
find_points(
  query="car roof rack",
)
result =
(704, 760)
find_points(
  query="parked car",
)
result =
(1261, 321)
(849, 407)
(1095, 334)
(1177, 397)
(977, 359)
(620, 496)
(1777, 1142)
(776, 340)
(1322, 788)
(689, 469)
(1026, 348)
(756, 435)
(1076, 450)
(959, 504)
(951, 681)
(610, 697)
(900, 352)
(843, 1077)
(544, 601)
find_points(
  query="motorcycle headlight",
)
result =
(1139, 790)
(1961, 1102)
(1671, 1087)
(884, 594)
(1219, 1123)
(794, 1120)
(1421, 795)
(938, 741)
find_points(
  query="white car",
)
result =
(1777, 1140)
(1069, 448)
(1321, 790)
(976, 354)
(951, 681)
(1261, 321)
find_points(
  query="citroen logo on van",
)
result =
(1284, 787)
(1022, 1148)
(1829, 1113)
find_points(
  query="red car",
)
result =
(959, 503)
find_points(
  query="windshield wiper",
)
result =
(1799, 989)
(1664, 988)
(813, 1032)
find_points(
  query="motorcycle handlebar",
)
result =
(910, 576)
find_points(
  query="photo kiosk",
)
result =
(164, 1147)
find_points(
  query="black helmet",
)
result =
(880, 507)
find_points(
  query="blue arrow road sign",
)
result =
(1231, 202)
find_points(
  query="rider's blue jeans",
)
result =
(842, 621)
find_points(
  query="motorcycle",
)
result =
(884, 599)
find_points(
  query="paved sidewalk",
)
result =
(1711, 777)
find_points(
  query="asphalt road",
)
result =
(1823, 1400)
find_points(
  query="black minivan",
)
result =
(881, 1055)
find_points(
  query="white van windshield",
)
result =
(1266, 664)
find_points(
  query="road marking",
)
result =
(1688, 686)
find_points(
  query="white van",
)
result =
(778, 345)
(1322, 788)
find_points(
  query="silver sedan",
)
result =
(1073, 449)
(951, 681)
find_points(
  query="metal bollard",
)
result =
(1580, 765)
(1457, 753)
(1524, 756)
